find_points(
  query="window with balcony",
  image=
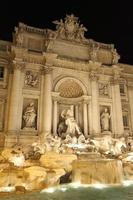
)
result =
(125, 120)
(122, 89)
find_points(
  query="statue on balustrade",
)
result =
(115, 57)
(29, 116)
(105, 120)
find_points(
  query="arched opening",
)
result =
(71, 94)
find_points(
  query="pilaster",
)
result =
(117, 107)
(130, 97)
(95, 104)
(16, 87)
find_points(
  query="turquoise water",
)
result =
(81, 193)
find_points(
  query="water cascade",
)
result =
(92, 171)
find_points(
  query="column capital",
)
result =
(55, 96)
(19, 65)
(114, 81)
(46, 70)
(117, 72)
(93, 75)
(86, 99)
(130, 84)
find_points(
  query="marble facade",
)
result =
(46, 72)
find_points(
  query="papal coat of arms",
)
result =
(70, 28)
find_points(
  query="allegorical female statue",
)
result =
(105, 120)
(29, 116)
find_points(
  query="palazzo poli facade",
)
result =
(45, 73)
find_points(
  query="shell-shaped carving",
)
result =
(70, 89)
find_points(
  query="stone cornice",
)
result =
(83, 99)
(27, 56)
(34, 60)
(76, 64)
(62, 63)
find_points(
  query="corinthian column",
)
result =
(95, 103)
(85, 119)
(47, 102)
(14, 98)
(55, 117)
(130, 95)
(117, 109)
(77, 113)
(90, 118)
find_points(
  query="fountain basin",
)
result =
(93, 171)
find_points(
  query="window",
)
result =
(125, 120)
(122, 89)
(1, 72)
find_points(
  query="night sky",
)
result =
(107, 21)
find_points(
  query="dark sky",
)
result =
(108, 21)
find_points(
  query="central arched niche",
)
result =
(70, 89)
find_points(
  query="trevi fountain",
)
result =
(66, 120)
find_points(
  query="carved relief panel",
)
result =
(31, 79)
(104, 90)
(29, 114)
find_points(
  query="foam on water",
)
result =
(7, 189)
(75, 185)
(99, 186)
(49, 190)
(127, 183)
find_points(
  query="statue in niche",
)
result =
(29, 116)
(103, 89)
(72, 127)
(105, 120)
(31, 79)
